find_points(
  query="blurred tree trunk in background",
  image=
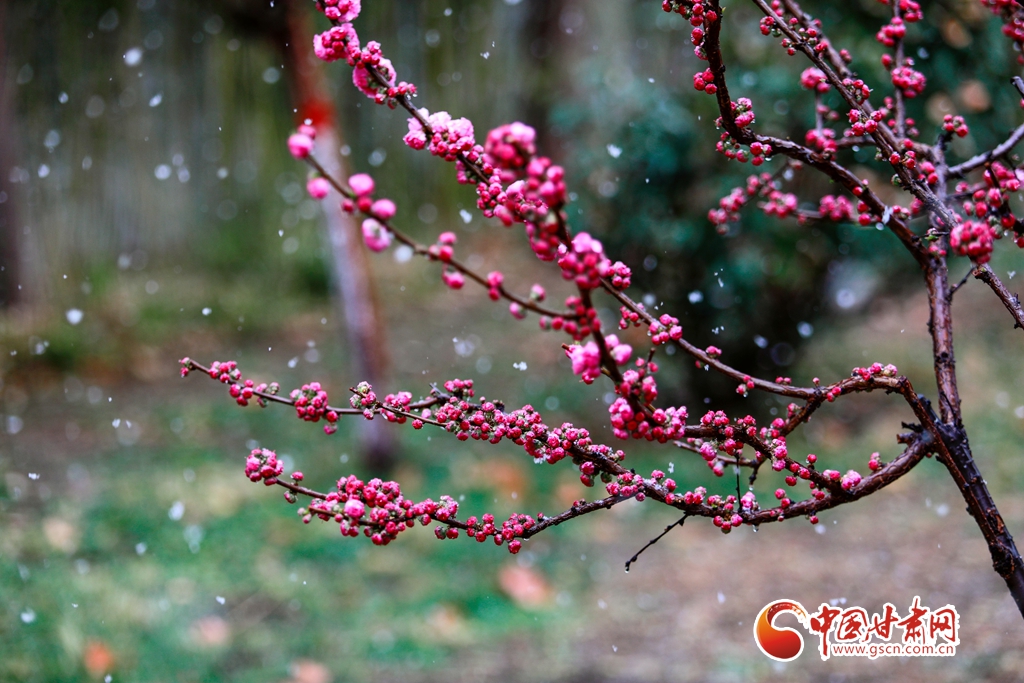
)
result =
(9, 255)
(541, 38)
(355, 293)
(367, 335)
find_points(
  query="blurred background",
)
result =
(149, 210)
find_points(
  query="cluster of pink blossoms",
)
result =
(535, 201)
(262, 464)
(908, 79)
(300, 143)
(585, 263)
(311, 405)
(397, 402)
(974, 239)
(375, 233)
(876, 370)
(955, 124)
(891, 32)
(341, 10)
(338, 42)
(448, 137)
(633, 415)
(730, 149)
(743, 112)
(586, 358)
(662, 425)
(988, 213)
(704, 81)
(861, 123)
(1013, 21)
(665, 328)
(377, 507)
(837, 209)
(509, 148)
(372, 73)
(778, 204)
(513, 528)
(380, 510)
(699, 14)
(379, 212)
(821, 140)
(814, 79)
(582, 322)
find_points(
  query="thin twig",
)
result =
(963, 281)
(679, 522)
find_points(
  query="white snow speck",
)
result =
(74, 315)
(207, 311)
(293, 362)
(403, 253)
(521, 366)
(140, 548)
(614, 152)
(721, 597)
(177, 510)
(28, 616)
(14, 424)
(466, 215)
(156, 99)
(220, 600)
(133, 57)
(33, 476)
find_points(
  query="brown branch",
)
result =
(1009, 299)
(439, 397)
(793, 150)
(875, 481)
(886, 139)
(679, 522)
(1004, 148)
(424, 251)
